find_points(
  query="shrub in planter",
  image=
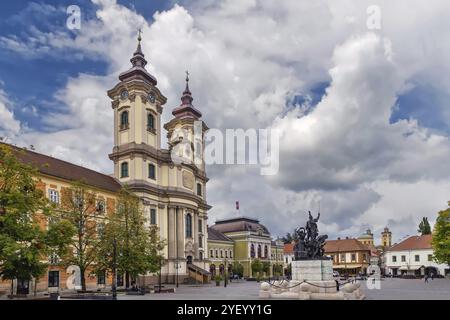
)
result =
(218, 279)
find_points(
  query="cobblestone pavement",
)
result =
(391, 289)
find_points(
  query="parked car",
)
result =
(336, 274)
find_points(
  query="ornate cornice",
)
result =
(160, 155)
(143, 186)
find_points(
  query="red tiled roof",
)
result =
(65, 170)
(344, 245)
(414, 242)
(288, 248)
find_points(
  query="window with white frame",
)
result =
(53, 195)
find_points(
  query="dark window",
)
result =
(100, 206)
(252, 250)
(394, 258)
(259, 251)
(124, 170)
(150, 122)
(53, 279)
(403, 258)
(200, 225)
(226, 254)
(430, 257)
(200, 242)
(200, 256)
(266, 251)
(152, 216)
(188, 226)
(417, 257)
(199, 189)
(101, 277)
(353, 257)
(124, 120)
(151, 171)
(217, 253)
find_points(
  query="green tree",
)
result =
(266, 267)
(441, 237)
(238, 269)
(288, 238)
(277, 270)
(256, 267)
(138, 246)
(79, 245)
(424, 226)
(22, 208)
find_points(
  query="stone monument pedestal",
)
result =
(311, 280)
(312, 270)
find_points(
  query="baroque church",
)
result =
(173, 194)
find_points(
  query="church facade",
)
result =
(173, 193)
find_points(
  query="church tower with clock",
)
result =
(172, 192)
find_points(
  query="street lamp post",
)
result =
(114, 283)
(225, 274)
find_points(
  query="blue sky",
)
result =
(44, 75)
(373, 137)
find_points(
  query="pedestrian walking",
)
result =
(432, 276)
(426, 278)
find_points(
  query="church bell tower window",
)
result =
(124, 124)
(124, 170)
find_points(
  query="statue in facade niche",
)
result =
(308, 243)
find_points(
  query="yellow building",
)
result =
(366, 238)
(251, 239)
(386, 238)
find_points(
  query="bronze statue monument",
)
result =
(308, 244)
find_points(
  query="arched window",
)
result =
(150, 122)
(259, 251)
(188, 226)
(199, 189)
(124, 170)
(151, 171)
(252, 250)
(200, 256)
(152, 216)
(266, 251)
(124, 120)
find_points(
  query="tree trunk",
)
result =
(83, 279)
(127, 279)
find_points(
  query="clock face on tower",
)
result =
(151, 97)
(124, 95)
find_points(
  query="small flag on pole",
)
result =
(237, 205)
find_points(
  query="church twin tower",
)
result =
(173, 193)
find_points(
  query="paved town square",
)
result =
(391, 289)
